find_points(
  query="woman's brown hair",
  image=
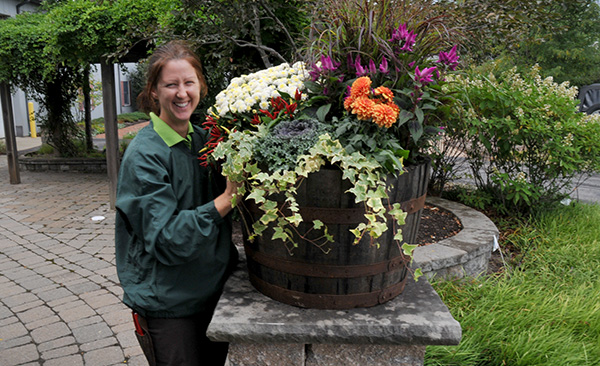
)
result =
(173, 50)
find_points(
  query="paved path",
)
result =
(59, 292)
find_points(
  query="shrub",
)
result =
(523, 138)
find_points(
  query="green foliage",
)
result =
(46, 149)
(280, 149)
(524, 140)
(569, 53)
(239, 165)
(45, 53)
(491, 27)
(2, 147)
(541, 313)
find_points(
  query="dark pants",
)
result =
(183, 342)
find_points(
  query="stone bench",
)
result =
(262, 331)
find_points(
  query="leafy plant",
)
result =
(523, 138)
(397, 45)
(280, 149)
(260, 186)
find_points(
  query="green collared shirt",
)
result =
(168, 134)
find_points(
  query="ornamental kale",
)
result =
(280, 149)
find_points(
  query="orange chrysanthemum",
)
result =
(362, 107)
(384, 115)
(382, 109)
(348, 103)
(361, 87)
(384, 93)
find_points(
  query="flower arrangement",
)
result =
(365, 105)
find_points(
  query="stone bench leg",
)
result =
(241, 354)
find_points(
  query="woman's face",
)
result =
(177, 91)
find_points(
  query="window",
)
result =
(125, 94)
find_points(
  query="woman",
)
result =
(173, 236)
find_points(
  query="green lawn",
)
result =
(544, 309)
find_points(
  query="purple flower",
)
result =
(425, 76)
(328, 63)
(372, 67)
(449, 58)
(402, 35)
(383, 66)
(399, 34)
(315, 72)
(409, 42)
(360, 70)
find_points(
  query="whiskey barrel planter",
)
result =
(348, 276)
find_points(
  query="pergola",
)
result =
(109, 102)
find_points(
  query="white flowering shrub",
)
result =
(253, 92)
(522, 135)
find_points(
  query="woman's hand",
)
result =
(223, 201)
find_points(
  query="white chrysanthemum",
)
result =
(248, 92)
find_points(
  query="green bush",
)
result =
(522, 136)
(2, 147)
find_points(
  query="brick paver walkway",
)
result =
(59, 293)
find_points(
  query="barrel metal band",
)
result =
(327, 301)
(325, 270)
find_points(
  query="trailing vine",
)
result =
(367, 185)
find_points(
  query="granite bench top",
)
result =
(416, 317)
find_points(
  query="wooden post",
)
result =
(109, 101)
(9, 129)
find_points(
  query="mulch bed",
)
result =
(437, 224)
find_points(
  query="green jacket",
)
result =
(173, 249)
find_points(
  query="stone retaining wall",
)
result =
(465, 254)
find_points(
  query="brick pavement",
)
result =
(59, 293)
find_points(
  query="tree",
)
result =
(27, 63)
(492, 27)
(47, 53)
(570, 51)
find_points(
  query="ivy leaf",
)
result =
(280, 234)
(258, 195)
(408, 249)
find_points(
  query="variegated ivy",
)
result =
(363, 173)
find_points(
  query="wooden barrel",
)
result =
(348, 276)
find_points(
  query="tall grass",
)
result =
(546, 311)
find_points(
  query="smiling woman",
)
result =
(172, 230)
(178, 94)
